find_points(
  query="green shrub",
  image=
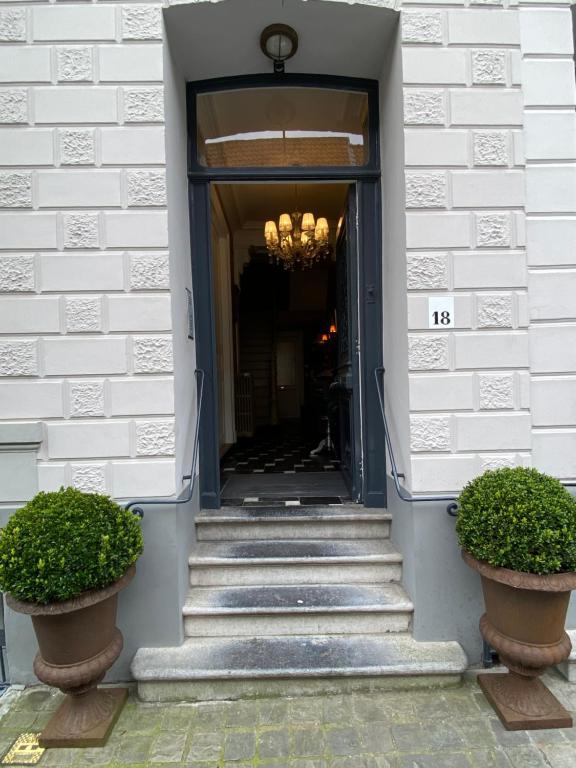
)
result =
(65, 543)
(518, 519)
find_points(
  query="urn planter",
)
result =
(524, 622)
(78, 642)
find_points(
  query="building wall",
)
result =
(86, 340)
(93, 265)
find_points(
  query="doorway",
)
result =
(288, 349)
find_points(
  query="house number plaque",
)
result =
(441, 312)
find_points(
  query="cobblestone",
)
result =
(448, 728)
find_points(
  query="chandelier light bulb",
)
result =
(322, 229)
(285, 223)
(308, 223)
(271, 233)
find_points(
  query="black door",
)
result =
(346, 387)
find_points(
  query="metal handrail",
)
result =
(137, 504)
(402, 495)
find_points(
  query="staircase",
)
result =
(256, 358)
(293, 601)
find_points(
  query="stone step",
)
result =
(330, 609)
(223, 668)
(294, 561)
(292, 522)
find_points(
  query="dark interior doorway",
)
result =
(287, 349)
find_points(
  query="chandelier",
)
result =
(298, 240)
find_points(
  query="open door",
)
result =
(346, 387)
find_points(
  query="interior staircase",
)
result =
(294, 601)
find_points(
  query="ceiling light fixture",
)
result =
(279, 42)
(299, 241)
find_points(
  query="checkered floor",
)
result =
(276, 450)
(282, 452)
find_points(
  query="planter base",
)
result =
(523, 703)
(85, 720)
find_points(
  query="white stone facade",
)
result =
(490, 218)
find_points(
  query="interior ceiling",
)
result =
(221, 39)
(246, 204)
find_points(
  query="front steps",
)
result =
(221, 668)
(290, 601)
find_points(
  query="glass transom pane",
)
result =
(282, 127)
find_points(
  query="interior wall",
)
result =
(180, 265)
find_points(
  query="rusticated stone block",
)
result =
(146, 188)
(496, 391)
(425, 190)
(495, 311)
(141, 22)
(83, 315)
(497, 462)
(489, 67)
(149, 271)
(15, 189)
(12, 25)
(18, 358)
(144, 105)
(428, 353)
(490, 148)
(76, 146)
(86, 398)
(427, 270)
(424, 107)
(89, 478)
(155, 438)
(153, 354)
(429, 433)
(17, 273)
(421, 27)
(75, 63)
(493, 230)
(81, 230)
(13, 105)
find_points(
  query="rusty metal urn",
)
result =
(78, 642)
(524, 622)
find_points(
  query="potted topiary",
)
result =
(63, 559)
(517, 528)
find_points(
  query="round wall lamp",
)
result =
(279, 42)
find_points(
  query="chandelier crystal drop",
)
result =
(298, 241)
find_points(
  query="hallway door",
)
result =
(346, 387)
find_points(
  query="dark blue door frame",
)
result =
(368, 269)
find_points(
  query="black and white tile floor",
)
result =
(276, 453)
(282, 451)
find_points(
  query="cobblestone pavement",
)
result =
(433, 728)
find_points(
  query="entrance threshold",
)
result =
(299, 487)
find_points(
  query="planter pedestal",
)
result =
(78, 643)
(523, 703)
(84, 719)
(524, 622)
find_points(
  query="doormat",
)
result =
(24, 751)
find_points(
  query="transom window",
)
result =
(282, 127)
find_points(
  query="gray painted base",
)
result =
(149, 609)
(568, 667)
(446, 593)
